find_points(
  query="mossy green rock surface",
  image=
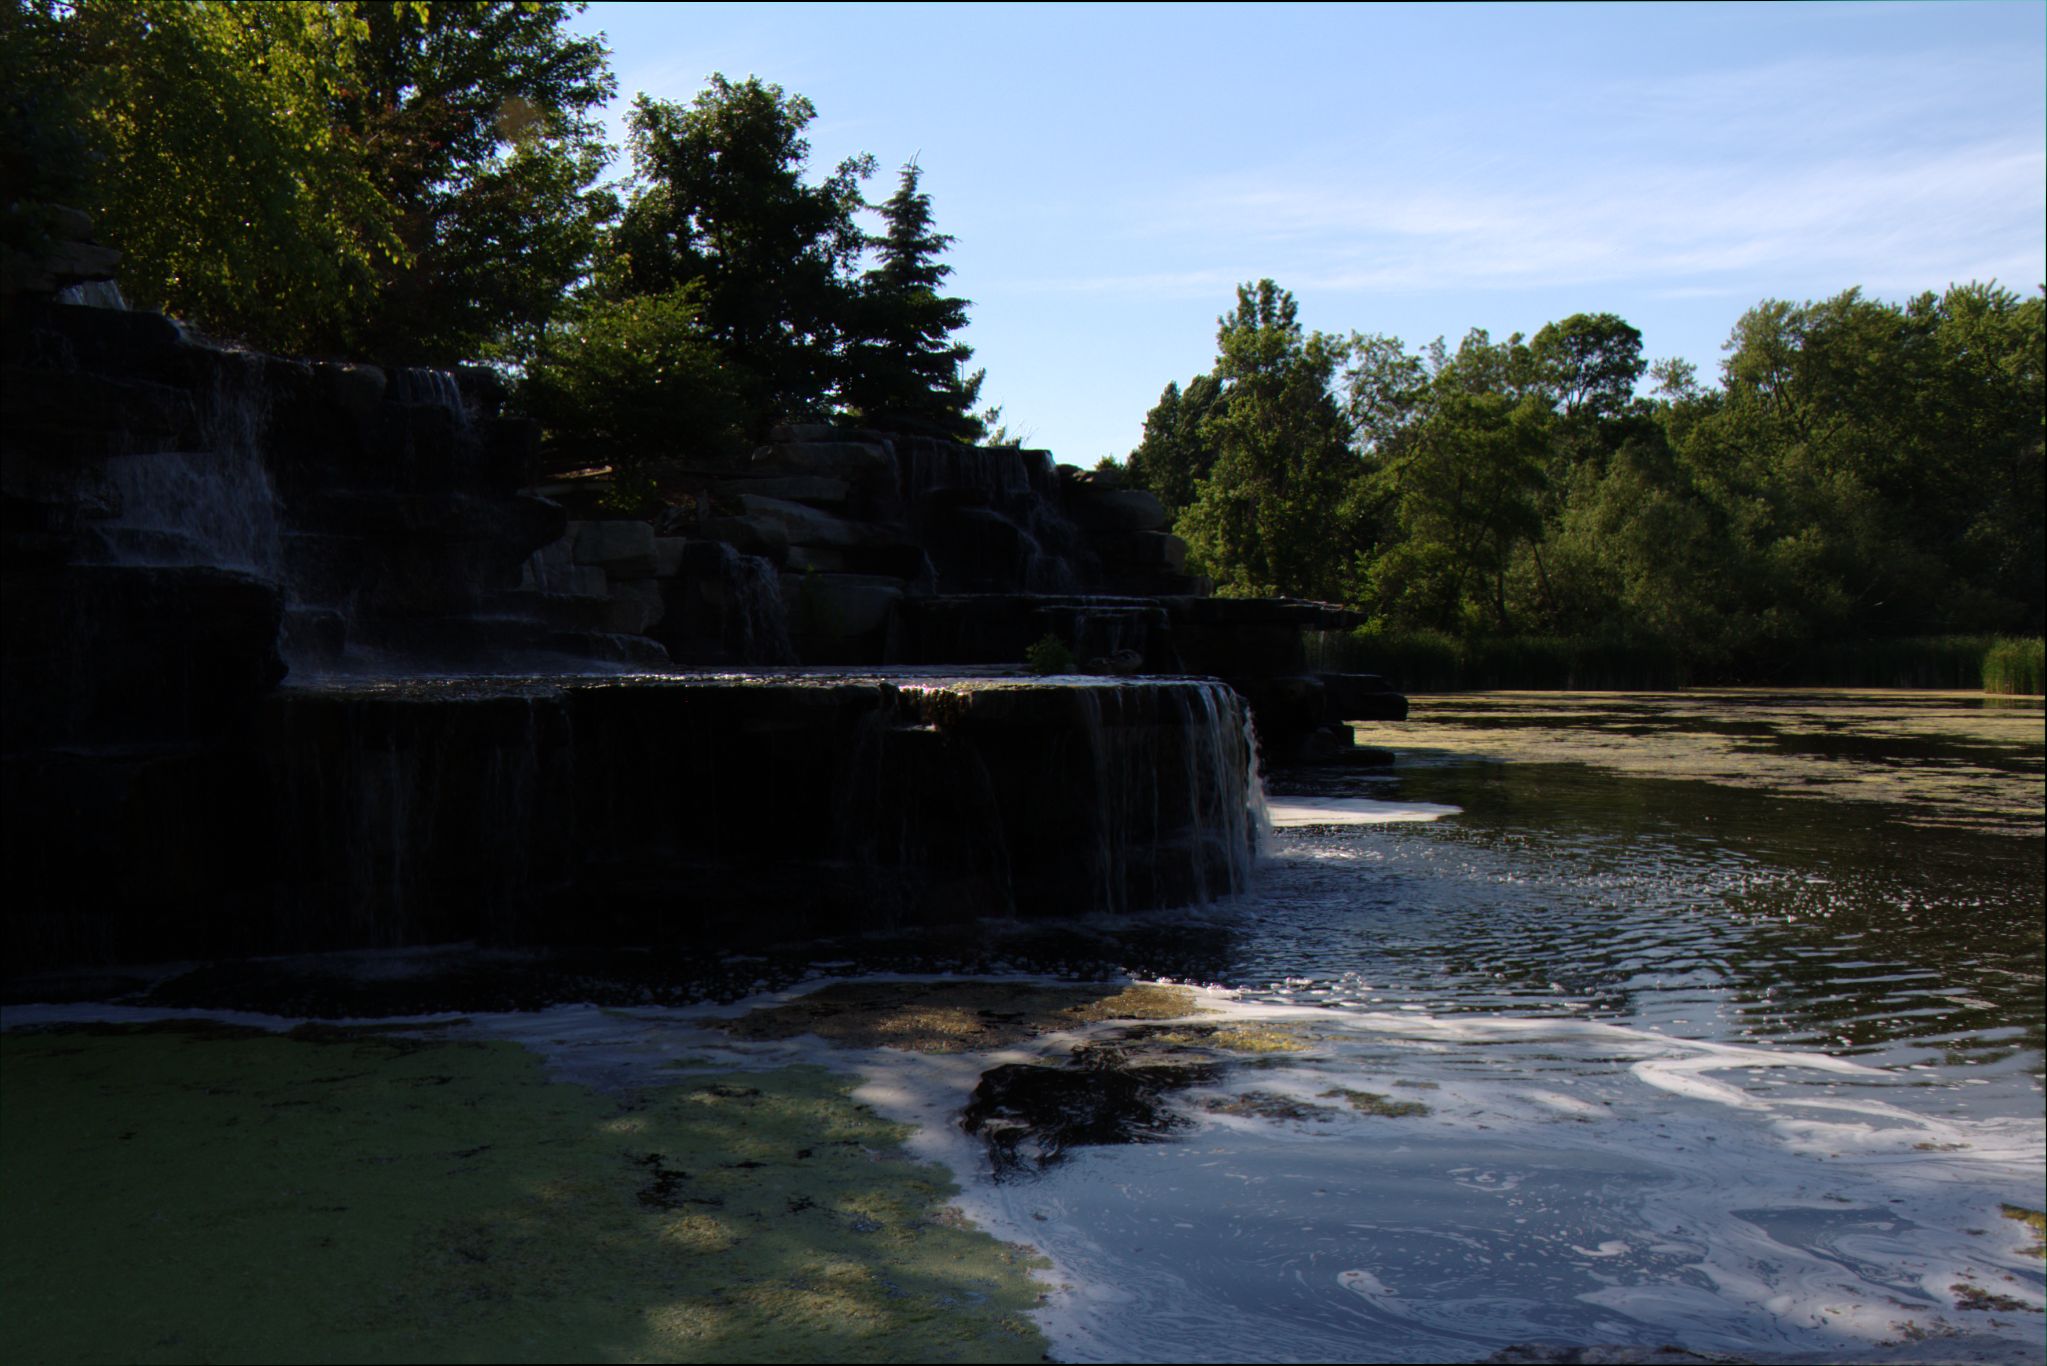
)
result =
(214, 1195)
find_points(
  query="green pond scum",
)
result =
(202, 1193)
(2033, 1219)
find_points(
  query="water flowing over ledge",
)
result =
(657, 808)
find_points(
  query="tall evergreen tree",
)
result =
(1174, 454)
(904, 369)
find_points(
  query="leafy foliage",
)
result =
(633, 380)
(1266, 513)
(480, 123)
(409, 181)
(1865, 471)
(720, 202)
(1175, 454)
(45, 157)
(219, 169)
(1048, 654)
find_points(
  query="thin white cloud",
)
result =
(1897, 221)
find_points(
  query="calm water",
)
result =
(1744, 1060)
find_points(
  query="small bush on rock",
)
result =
(1049, 655)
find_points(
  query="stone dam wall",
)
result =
(297, 655)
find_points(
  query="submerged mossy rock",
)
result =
(955, 1017)
(210, 1194)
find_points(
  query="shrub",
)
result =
(1049, 655)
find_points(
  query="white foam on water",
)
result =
(1288, 812)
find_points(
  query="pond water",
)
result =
(1607, 1023)
(1596, 1023)
(1746, 1060)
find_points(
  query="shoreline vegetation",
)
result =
(1425, 661)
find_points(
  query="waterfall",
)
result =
(93, 294)
(424, 388)
(758, 617)
(413, 815)
(213, 507)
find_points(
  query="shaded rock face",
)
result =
(634, 811)
(380, 505)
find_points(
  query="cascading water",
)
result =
(213, 507)
(757, 615)
(428, 388)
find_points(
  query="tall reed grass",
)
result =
(2016, 666)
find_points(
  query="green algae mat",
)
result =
(210, 1194)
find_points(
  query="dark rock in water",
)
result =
(1361, 697)
(179, 521)
(1031, 1115)
(990, 628)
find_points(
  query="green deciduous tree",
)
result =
(720, 201)
(1590, 362)
(408, 181)
(1882, 462)
(219, 169)
(480, 123)
(633, 380)
(1460, 497)
(1268, 516)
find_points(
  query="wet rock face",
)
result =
(100, 655)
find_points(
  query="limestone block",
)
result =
(816, 490)
(803, 431)
(668, 555)
(856, 461)
(749, 536)
(821, 559)
(838, 606)
(1146, 549)
(624, 549)
(357, 389)
(1117, 509)
(636, 604)
(803, 525)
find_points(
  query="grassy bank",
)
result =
(1434, 661)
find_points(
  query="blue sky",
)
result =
(1112, 173)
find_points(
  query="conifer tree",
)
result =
(904, 370)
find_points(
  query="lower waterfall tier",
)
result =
(640, 809)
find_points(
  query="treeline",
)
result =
(1863, 472)
(423, 183)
